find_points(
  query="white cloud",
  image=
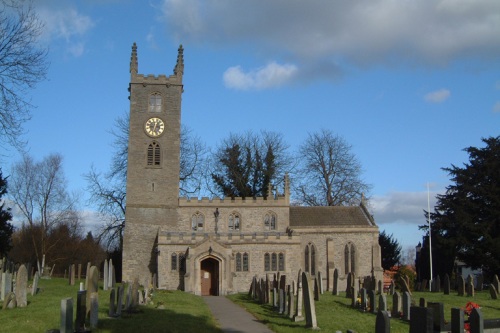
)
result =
(365, 32)
(437, 96)
(496, 107)
(270, 76)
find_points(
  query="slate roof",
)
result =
(333, 216)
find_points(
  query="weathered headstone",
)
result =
(300, 296)
(476, 321)
(316, 285)
(335, 289)
(93, 285)
(94, 309)
(421, 320)
(461, 286)
(9, 301)
(72, 275)
(364, 300)
(382, 323)
(350, 283)
(291, 303)
(382, 302)
(480, 282)
(446, 286)
(438, 316)
(112, 300)
(457, 320)
(66, 315)
(395, 305)
(493, 291)
(422, 302)
(406, 305)
(354, 294)
(34, 286)
(372, 301)
(105, 275)
(22, 287)
(6, 286)
(79, 275)
(119, 303)
(281, 302)
(309, 306)
(380, 289)
(320, 282)
(135, 293)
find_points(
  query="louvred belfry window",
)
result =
(154, 154)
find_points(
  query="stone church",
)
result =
(214, 246)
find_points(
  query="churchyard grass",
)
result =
(334, 313)
(182, 312)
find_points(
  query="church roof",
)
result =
(333, 216)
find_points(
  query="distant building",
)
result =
(216, 246)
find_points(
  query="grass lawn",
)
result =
(183, 312)
(334, 313)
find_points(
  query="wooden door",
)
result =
(209, 277)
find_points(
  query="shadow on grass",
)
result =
(154, 320)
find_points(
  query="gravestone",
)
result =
(72, 275)
(9, 301)
(79, 275)
(291, 303)
(105, 275)
(406, 305)
(300, 297)
(446, 286)
(22, 287)
(461, 286)
(392, 288)
(81, 310)
(316, 285)
(66, 315)
(93, 285)
(309, 306)
(34, 287)
(437, 284)
(476, 321)
(350, 284)
(111, 275)
(380, 288)
(395, 305)
(421, 320)
(422, 303)
(382, 302)
(320, 283)
(438, 316)
(135, 293)
(112, 300)
(383, 322)
(335, 289)
(281, 301)
(372, 301)
(119, 303)
(266, 290)
(275, 298)
(354, 294)
(94, 309)
(480, 282)
(87, 275)
(470, 289)
(6, 286)
(363, 296)
(457, 320)
(493, 292)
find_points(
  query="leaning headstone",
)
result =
(457, 320)
(105, 275)
(395, 305)
(421, 320)
(9, 301)
(34, 286)
(66, 315)
(94, 309)
(493, 292)
(382, 323)
(81, 310)
(335, 290)
(446, 286)
(461, 286)
(309, 306)
(476, 321)
(382, 302)
(22, 287)
(112, 300)
(406, 305)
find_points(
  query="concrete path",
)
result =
(233, 318)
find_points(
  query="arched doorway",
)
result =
(209, 277)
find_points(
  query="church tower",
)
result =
(153, 165)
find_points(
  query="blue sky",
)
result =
(408, 83)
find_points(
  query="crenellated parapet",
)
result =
(277, 201)
(165, 238)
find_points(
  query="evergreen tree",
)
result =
(391, 250)
(6, 229)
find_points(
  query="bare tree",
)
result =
(329, 173)
(22, 65)
(39, 190)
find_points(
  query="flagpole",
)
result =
(430, 239)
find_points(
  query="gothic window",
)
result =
(154, 154)
(155, 102)
(274, 262)
(173, 262)
(238, 262)
(270, 221)
(234, 221)
(267, 262)
(197, 221)
(350, 258)
(281, 262)
(182, 263)
(310, 259)
(245, 262)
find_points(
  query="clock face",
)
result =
(154, 127)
